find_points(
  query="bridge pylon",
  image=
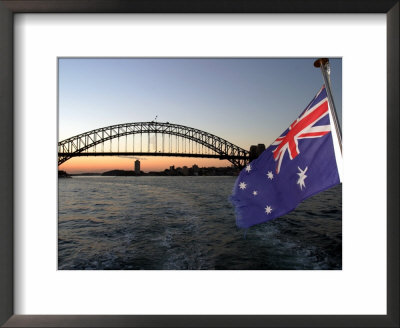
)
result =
(256, 151)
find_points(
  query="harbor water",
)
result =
(188, 222)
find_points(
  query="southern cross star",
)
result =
(270, 175)
(268, 209)
(255, 192)
(248, 168)
(302, 177)
(242, 185)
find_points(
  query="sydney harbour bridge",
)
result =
(154, 139)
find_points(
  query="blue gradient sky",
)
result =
(246, 101)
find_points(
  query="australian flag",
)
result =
(297, 165)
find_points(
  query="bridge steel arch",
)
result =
(79, 144)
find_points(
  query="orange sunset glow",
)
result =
(147, 164)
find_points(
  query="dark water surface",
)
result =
(157, 223)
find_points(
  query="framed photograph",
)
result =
(203, 81)
(157, 193)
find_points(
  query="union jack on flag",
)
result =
(302, 128)
(298, 164)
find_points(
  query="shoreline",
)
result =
(205, 171)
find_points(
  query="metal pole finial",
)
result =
(321, 62)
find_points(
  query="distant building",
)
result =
(195, 169)
(185, 170)
(137, 166)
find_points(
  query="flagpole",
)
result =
(323, 64)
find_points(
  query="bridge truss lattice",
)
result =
(163, 139)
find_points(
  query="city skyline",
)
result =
(245, 101)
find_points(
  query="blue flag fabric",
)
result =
(299, 164)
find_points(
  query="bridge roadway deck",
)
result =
(151, 154)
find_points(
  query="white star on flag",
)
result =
(270, 175)
(248, 168)
(255, 192)
(302, 177)
(242, 185)
(268, 209)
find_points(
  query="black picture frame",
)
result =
(7, 10)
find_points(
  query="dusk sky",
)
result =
(245, 101)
